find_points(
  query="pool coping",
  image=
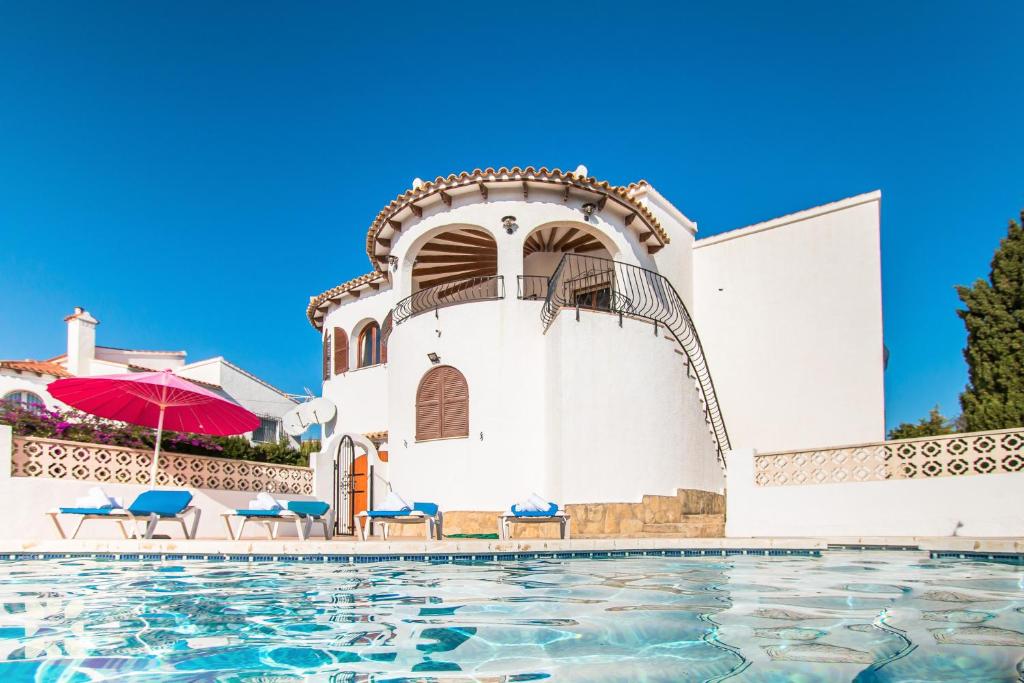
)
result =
(452, 550)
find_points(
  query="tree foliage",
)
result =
(933, 425)
(994, 316)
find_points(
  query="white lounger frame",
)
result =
(505, 524)
(303, 524)
(433, 525)
(122, 516)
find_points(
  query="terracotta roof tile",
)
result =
(514, 174)
(39, 367)
(316, 301)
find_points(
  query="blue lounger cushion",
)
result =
(550, 512)
(308, 508)
(404, 512)
(258, 513)
(91, 511)
(162, 503)
(428, 509)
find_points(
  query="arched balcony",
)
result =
(456, 266)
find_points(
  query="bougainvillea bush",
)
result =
(74, 425)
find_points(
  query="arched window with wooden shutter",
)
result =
(442, 405)
(369, 346)
(340, 351)
(327, 355)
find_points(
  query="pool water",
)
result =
(846, 616)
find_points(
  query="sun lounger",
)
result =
(427, 514)
(305, 514)
(549, 516)
(150, 508)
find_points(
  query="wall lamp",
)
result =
(509, 223)
(434, 358)
(392, 261)
(588, 210)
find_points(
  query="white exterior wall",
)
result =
(790, 316)
(361, 394)
(623, 418)
(498, 347)
(984, 504)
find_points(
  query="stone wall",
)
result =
(689, 513)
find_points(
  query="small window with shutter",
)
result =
(442, 405)
(340, 351)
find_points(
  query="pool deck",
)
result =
(349, 546)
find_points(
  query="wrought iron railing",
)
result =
(533, 287)
(589, 282)
(449, 294)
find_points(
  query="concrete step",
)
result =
(692, 526)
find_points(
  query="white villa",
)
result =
(538, 330)
(25, 381)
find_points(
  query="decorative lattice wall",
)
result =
(954, 455)
(36, 457)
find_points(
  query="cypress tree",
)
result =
(994, 316)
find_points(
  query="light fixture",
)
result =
(392, 261)
(509, 222)
(588, 210)
(434, 358)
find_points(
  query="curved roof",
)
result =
(389, 215)
(407, 205)
(316, 309)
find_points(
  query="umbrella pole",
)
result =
(156, 450)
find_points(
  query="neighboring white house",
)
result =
(26, 380)
(537, 330)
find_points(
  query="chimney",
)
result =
(81, 341)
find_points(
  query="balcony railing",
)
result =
(533, 287)
(449, 294)
(588, 282)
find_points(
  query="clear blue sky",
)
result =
(192, 171)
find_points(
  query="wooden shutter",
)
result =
(428, 406)
(454, 403)
(340, 351)
(327, 356)
(385, 332)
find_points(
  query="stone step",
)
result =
(692, 526)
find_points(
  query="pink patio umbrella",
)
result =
(155, 399)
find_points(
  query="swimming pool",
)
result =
(865, 616)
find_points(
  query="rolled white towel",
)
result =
(265, 501)
(393, 503)
(533, 503)
(98, 499)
